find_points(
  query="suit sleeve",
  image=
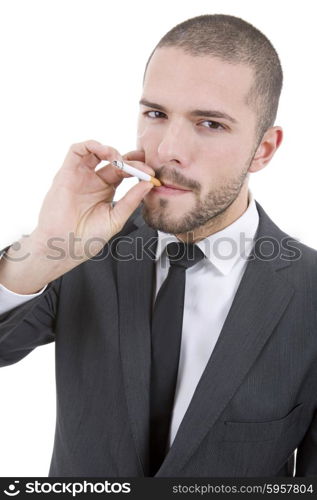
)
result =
(9, 300)
(32, 323)
(28, 325)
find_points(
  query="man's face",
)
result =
(197, 133)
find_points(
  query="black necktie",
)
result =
(167, 322)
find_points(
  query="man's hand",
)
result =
(79, 200)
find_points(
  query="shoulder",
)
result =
(285, 242)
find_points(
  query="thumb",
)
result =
(129, 202)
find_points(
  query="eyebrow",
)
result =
(211, 113)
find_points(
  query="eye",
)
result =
(213, 125)
(155, 114)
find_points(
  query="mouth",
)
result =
(168, 189)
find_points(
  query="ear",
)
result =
(266, 149)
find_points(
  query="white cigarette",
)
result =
(136, 172)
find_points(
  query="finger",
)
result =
(142, 166)
(137, 155)
(130, 201)
(111, 174)
(89, 154)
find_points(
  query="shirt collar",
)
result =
(228, 246)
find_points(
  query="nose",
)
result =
(174, 145)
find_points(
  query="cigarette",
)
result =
(136, 172)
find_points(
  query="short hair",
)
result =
(234, 40)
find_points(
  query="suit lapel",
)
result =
(136, 280)
(259, 303)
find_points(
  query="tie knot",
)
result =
(183, 254)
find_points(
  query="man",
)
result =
(166, 367)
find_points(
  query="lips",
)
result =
(168, 190)
(173, 186)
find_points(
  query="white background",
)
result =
(72, 70)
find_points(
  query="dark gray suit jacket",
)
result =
(255, 402)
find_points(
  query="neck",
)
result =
(220, 221)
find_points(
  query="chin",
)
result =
(163, 220)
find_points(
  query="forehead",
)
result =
(175, 77)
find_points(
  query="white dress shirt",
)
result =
(211, 285)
